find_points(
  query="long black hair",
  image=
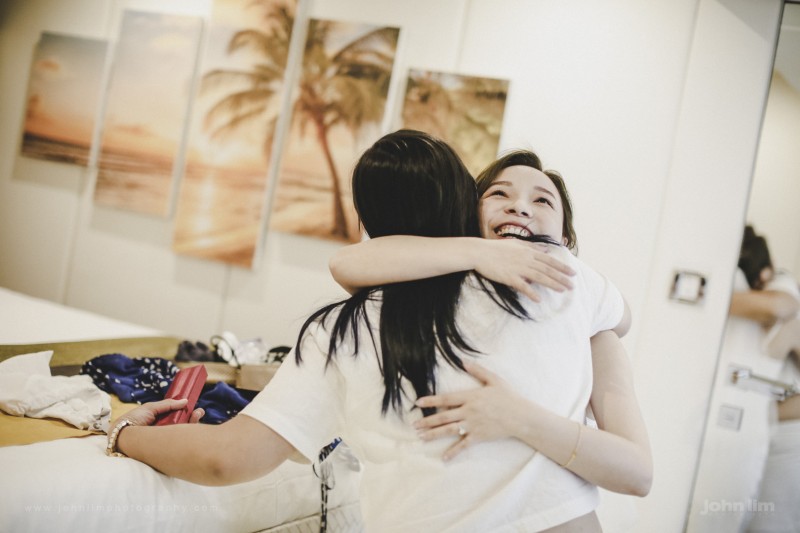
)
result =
(754, 257)
(410, 183)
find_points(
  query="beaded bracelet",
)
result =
(111, 448)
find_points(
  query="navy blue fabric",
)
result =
(221, 402)
(147, 379)
(140, 380)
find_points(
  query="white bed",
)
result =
(69, 484)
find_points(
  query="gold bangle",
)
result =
(111, 448)
(575, 449)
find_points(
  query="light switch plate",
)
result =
(688, 287)
(730, 417)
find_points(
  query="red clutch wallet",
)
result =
(188, 383)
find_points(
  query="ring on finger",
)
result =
(461, 430)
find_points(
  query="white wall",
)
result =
(773, 201)
(650, 109)
(726, 84)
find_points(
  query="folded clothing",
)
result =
(147, 379)
(139, 380)
(28, 389)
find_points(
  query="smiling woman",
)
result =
(662, 137)
(507, 386)
(545, 207)
(517, 199)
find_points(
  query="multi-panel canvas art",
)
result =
(147, 102)
(465, 111)
(222, 200)
(64, 90)
(237, 94)
(338, 106)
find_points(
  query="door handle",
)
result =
(744, 378)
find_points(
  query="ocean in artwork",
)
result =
(220, 215)
(64, 87)
(138, 182)
(51, 149)
(304, 204)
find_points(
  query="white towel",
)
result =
(28, 389)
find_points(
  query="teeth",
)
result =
(511, 230)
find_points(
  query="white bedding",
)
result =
(71, 485)
(28, 320)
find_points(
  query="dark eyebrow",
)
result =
(542, 189)
(509, 184)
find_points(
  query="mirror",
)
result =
(742, 481)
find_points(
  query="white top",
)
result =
(502, 485)
(786, 282)
(746, 340)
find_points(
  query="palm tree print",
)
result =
(342, 86)
(465, 111)
(233, 130)
(257, 88)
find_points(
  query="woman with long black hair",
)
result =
(365, 367)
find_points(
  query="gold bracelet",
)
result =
(111, 448)
(575, 449)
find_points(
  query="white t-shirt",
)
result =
(746, 340)
(785, 282)
(502, 485)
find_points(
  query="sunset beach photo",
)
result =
(62, 101)
(146, 109)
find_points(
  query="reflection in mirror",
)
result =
(748, 477)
